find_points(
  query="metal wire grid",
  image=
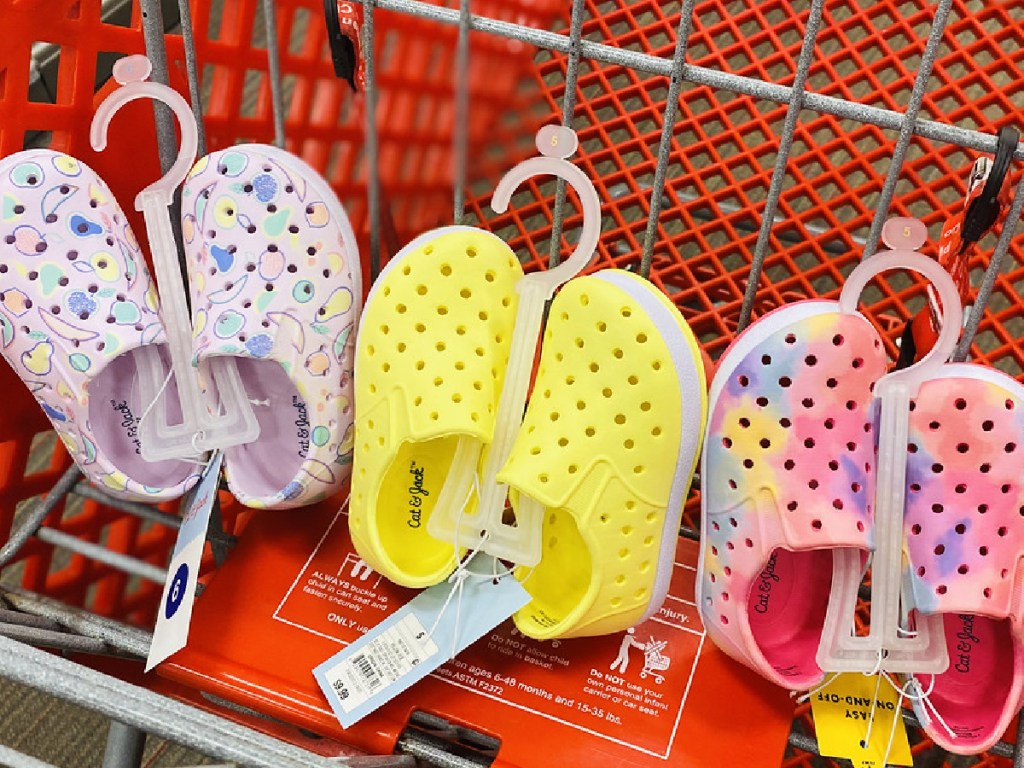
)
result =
(37, 620)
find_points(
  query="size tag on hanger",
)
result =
(436, 625)
(852, 723)
(172, 622)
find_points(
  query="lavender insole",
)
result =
(786, 606)
(115, 409)
(266, 466)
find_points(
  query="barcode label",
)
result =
(366, 669)
(380, 662)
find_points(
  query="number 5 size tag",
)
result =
(175, 611)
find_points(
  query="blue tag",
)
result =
(414, 641)
(175, 614)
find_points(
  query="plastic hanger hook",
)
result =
(556, 143)
(132, 73)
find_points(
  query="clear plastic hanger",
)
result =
(889, 646)
(200, 430)
(485, 530)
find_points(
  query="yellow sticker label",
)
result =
(843, 712)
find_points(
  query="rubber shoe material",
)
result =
(431, 358)
(964, 528)
(275, 280)
(77, 305)
(608, 447)
(788, 476)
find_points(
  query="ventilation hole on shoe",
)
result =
(937, 468)
(833, 465)
(962, 447)
(433, 415)
(628, 445)
(559, 356)
(809, 442)
(743, 381)
(420, 328)
(589, 431)
(1004, 488)
(789, 464)
(465, 293)
(762, 401)
(417, 401)
(732, 484)
(987, 592)
(792, 506)
(983, 551)
(937, 508)
(1008, 404)
(960, 403)
(812, 484)
(982, 509)
(373, 389)
(401, 309)
(744, 422)
(961, 529)
(915, 529)
(837, 503)
(985, 468)
(837, 340)
(606, 392)
(656, 365)
(831, 383)
(535, 451)
(748, 463)
(816, 525)
(656, 431)
(987, 425)
(921, 571)
(933, 425)
(420, 365)
(785, 381)
(386, 367)
(807, 402)
(941, 549)
(961, 488)
(851, 405)
(1004, 573)
(724, 619)
(830, 423)
(483, 317)
(1002, 530)
(941, 589)
(620, 418)
(858, 362)
(617, 353)
(765, 443)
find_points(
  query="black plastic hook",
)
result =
(983, 212)
(343, 52)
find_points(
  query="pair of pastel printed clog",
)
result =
(789, 472)
(274, 279)
(607, 446)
